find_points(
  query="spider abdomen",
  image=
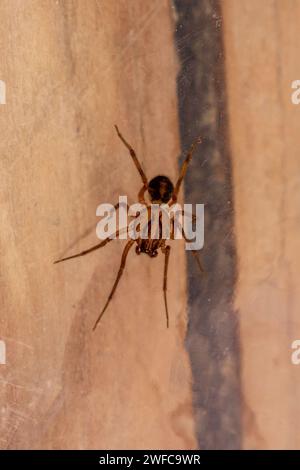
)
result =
(160, 189)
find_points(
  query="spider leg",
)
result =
(120, 272)
(118, 205)
(198, 261)
(188, 214)
(141, 195)
(166, 250)
(194, 253)
(93, 248)
(134, 158)
(184, 167)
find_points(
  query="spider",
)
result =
(160, 190)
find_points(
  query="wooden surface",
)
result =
(262, 60)
(72, 70)
(213, 333)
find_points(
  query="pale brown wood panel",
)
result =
(72, 70)
(262, 60)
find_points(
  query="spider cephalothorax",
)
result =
(161, 191)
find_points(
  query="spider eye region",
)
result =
(160, 189)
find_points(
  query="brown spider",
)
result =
(161, 191)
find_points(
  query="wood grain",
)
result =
(72, 70)
(261, 44)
